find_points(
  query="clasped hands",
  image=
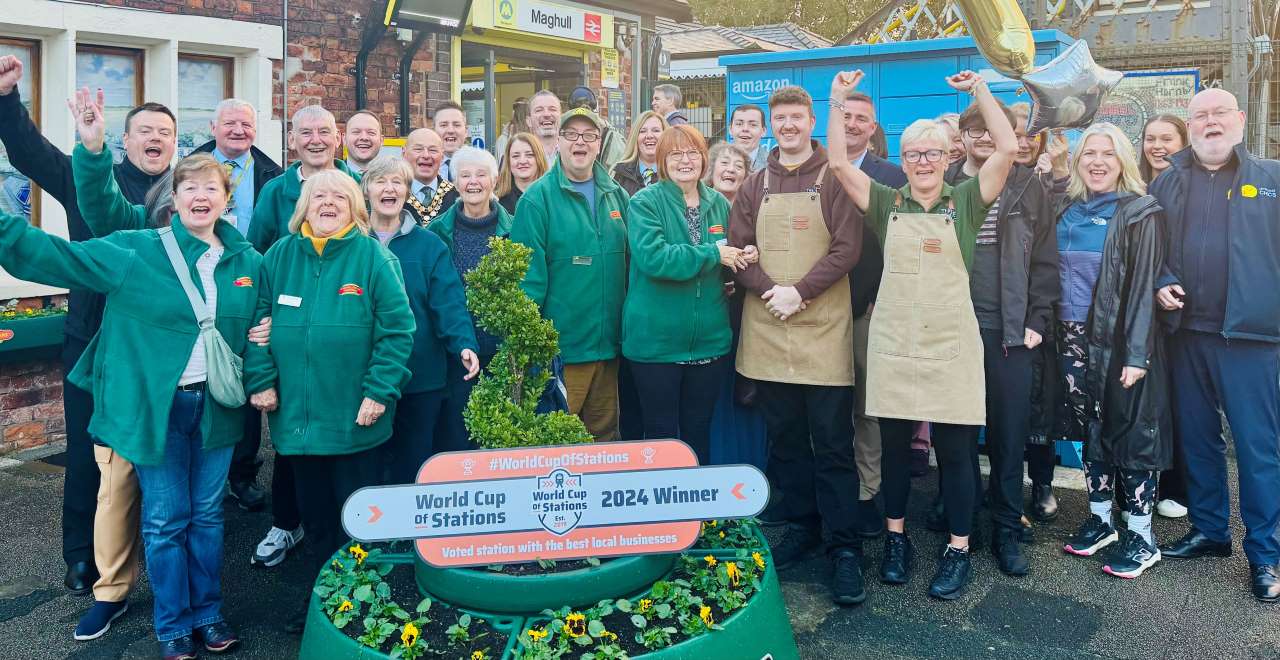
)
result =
(738, 258)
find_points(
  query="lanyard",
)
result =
(235, 183)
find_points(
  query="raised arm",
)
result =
(30, 254)
(28, 150)
(856, 183)
(995, 171)
(101, 203)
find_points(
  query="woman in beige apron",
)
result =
(924, 358)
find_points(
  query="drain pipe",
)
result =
(406, 71)
(284, 83)
(373, 31)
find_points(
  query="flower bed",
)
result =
(30, 333)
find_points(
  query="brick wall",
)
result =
(30, 405)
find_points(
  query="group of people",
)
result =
(995, 280)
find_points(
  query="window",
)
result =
(203, 81)
(16, 194)
(118, 72)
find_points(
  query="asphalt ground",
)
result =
(1066, 608)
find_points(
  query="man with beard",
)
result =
(574, 220)
(363, 140)
(430, 194)
(746, 125)
(450, 123)
(1221, 292)
(544, 121)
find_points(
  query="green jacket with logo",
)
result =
(274, 205)
(133, 364)
(676, 310)
(577, 275)
(341, 330)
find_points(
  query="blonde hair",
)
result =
(925, 130)
(386, 165)
(336, 180)
(507, 180)
(632, 153)
(1130, 180)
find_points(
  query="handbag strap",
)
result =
(203, 317)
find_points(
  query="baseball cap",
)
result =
(585, 113)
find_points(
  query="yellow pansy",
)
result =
(731, 569)
(705, 614)
(358, 553)
(409, 636)
(346, 606)
(758, 559)
(711, 561)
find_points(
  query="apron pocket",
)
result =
(777, 232)
(902, 254)
(890, 331)
(937, 331)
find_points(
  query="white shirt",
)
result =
(197, 369)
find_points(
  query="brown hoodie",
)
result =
(844, 222)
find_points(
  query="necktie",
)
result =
(230, 166)
(650, 177)
(426, 194)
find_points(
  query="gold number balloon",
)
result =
(1003, 36)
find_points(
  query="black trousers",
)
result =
(1008, 371)
(80, 483)
(678, 401)
(451, 433)
(630, 406)
(413, 431)
(323, 485)
(809, 429)
(284, 495)
(1041, 461)
(244, 460)
(954, 446)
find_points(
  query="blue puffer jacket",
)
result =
(1253, 235)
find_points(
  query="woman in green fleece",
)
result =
(675, 321)
(341, 336)
(146, 369)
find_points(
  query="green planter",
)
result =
(489, 591)
(32, 338)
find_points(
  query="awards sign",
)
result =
(1142, 95)
(567, 502)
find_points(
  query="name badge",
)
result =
(289, 301)
(582, 261)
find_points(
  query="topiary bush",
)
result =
(501, 410)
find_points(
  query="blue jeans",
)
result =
(182, 523)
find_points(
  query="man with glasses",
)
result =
(1221, 292)
(574, 220)
(1013, 283)
(430, 194)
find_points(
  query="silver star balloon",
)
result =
(1069, 90)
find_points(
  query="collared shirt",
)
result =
(418, 188)
(446, 169)
(857, 162)
(356, 167)
(241, 174)
(970, 211)
(648, 173)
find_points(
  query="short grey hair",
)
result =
(386, 165)
(925, 130)
(671, 92)
(313, 112)
(471, 157)
(234, 104)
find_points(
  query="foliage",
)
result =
(11, 310)
(501, 410)
(829, 18)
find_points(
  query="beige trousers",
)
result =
(592, 389)
(866, 430)
(117, 542)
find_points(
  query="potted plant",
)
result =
(31, 329)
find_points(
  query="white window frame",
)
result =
(59, 27)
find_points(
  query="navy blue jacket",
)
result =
(1253, 235)
(864, 279)
(438, 303)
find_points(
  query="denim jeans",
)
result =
(182, 523)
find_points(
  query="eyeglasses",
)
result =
(976, 133)
(931, 156)
(1218, 114)
(691, 154)
(573, 136)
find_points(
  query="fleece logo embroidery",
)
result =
(350, 290)
(243, 281)
(716, 229)
(615, 214)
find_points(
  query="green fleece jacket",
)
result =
(275, 205)
(341, 331)
(578, 271)
(443, 225)
(676, 310)
(133, 364)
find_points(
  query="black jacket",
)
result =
(264, 169)
(50, 169)
(1029, 281)
(864, 279)
(627, 174)
(1253, 234)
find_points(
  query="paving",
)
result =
(1066, 608)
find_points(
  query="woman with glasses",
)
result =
(677, 233)
(925, 354)
(639, 165)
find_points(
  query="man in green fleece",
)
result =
(314, 137)
(578, 271)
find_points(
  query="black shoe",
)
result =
(80, 577)
(846, 585)
(1266, 583)
(218, 637)
(97, 621)
(1094, 535)
(797, 543)
(937, 519)
(870, 522)
(1006, 546)
(919, 462)
(774, 514)
(1195, 545)
(954, 571)
(247, 495)
(895, 565)
(182, 648)
(1131, 557)
(1044, 506)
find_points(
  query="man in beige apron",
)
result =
(797, 336)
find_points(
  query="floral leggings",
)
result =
(1137, 487)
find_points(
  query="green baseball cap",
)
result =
(585, 113)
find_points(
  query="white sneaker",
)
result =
(277, 544)
(1171, 509)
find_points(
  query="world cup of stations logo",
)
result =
(506, 11)
(559, 501)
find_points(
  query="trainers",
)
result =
(1044, 506)
(797, 543)
(97, 621)
(846, 585)
(182, 648)
(1008, 552)
(275, 546)
(1094, 535)
(1171, 509)
(247, 495)
(895, 565)
(218, 637)
(774, 514)
(1131, 557)
(954, 571)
